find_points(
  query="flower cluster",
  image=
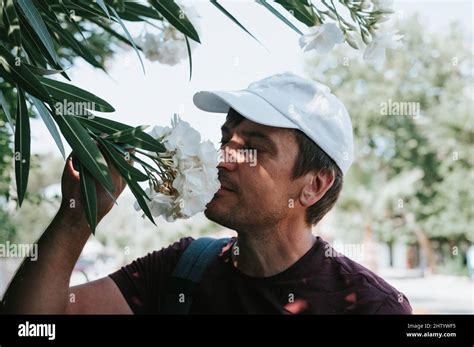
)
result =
(188, 172)
(169, 45)
(367, 15)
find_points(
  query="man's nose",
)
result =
(230, 158)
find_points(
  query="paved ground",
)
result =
(437, 293)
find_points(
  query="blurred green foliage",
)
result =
(413, 172)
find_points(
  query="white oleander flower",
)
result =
(375, 51)
(383, 5)
(192, 166)
(169, 46)
(322, 38)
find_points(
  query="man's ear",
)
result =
(317, 184)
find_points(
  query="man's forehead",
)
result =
(247, 124)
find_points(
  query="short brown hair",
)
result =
(310, 158)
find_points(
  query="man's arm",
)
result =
(42, 286)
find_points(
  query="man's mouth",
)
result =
(226, 185)
(225, 188)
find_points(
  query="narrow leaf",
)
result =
(279, 15)
(119, 161)
(190, 56)
(85, 149)
(113, 32)
(141, 10)
(139, 194)
(22, 147)
(48, 121)
(12, 23)
(89, 196)
(137, 138)
(128, 36)
(15, 72)
(67, 39)
(103, 124)
(64, 93)
(83, 9)
(176, 16)
(232, 18)
(301, 10)
(101, 3)
(37, 54)
(6, 110)
(34, 18)
(40, 71)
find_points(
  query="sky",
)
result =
(227, 59)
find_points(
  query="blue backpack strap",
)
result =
(188, 272)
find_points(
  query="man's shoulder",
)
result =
(369, 291)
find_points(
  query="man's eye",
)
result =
(251, 148)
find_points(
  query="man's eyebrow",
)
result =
(252, 134)
(259, 135)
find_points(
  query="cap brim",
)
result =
(249, 105)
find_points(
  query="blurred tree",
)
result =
(413, 167)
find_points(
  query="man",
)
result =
(302, 135)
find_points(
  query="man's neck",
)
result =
(263, 256)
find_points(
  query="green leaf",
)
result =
(85, 149)
(12, 23)
(279, 15)
(89, 196)
(6, 110)
(34, 18)
(16, 73)
(137, 138)
(64, 92)
(22, 147)
(113, 32)
(48, 121)
(83, 9)
(103, 124)
(67, 39)
(119, 161)
(190, 56)
(141, 10)
(40, 71)
(37, 54)
(125, 134)
(301, 10)
(232, 18)
(101, 3)
(176, 16)
(139, 193)
(128, 36)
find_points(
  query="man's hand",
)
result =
(71, 192)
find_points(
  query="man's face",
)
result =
(256, 191)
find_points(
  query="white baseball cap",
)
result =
(287, 100)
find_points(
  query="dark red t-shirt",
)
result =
(315, 284)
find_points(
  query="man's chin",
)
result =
(218, 213)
